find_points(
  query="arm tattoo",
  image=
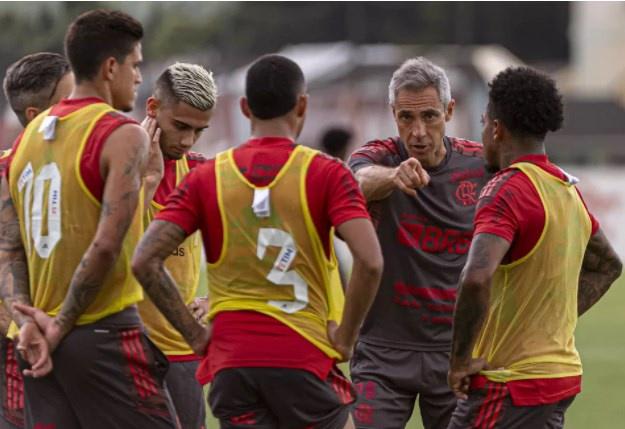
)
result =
(158, 243)
(116, 215)
(472, 306)
(600, 268)
(14, 284)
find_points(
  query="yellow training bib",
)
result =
(272, 260)
(184, 266)
(533, 304)
(59, 216)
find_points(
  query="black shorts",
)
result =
(186, 394)
(270, 398)
(389, 381)
(107, 375)
(12, 388)
(490, 407)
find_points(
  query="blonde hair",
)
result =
(189, 83)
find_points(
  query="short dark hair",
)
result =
(335, 140)
(526, 101)
(32, 80)
(97, 35)
(272, 86)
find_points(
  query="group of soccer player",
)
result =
(471, 262)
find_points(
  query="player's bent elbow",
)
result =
(370, 267)
(139, 265)
(475, 280)
(104, 251)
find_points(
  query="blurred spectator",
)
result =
(335, 142)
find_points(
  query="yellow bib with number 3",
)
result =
(272, 260)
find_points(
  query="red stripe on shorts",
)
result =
(8, 371)
(126, 347)
(15, 386)
(482, 410)
(338, 387)
(348, 390)
(497, 411)
(490, 405)
(145, 373)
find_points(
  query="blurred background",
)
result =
(348, 52)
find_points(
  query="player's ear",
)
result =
(449, 112)
(108, 68)
(498, 131)
(302, 105)
(31, 113)
(151, 106)
(245, 108)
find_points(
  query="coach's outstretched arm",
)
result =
(485, 255)
(122, 164)
(600, 268)
(160, 240)
(363, 285)
(377, 182)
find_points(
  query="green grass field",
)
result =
(601, 343)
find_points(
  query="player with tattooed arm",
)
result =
(538, 261)
(267, 210)
(71, 223)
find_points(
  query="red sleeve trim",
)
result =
(90, 161)
(195, 158)
(173, 218)
(466, 147)
(485, 229)
(375, 152)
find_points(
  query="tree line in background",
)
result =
(231, 33)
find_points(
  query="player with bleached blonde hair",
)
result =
(179, 110)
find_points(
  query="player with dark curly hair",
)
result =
(538, 260)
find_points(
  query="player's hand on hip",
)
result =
(410, 175)
(341, 342)
(47, 325)
(155, 166)
(200, 344)
(459, 377)
(34, 349)
(199, 307)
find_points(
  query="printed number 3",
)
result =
(280, 274)
(44, 244)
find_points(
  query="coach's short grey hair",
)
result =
(418, 73)
(189, 83)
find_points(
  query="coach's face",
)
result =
(420, 117)
(127, 77)
(181, 125)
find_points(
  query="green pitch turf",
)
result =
(601, 343)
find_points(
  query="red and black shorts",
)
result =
(268, 398)
(490, 406)
(106, 375)
(12, 389)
